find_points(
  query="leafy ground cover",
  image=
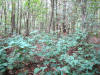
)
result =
(46, 54)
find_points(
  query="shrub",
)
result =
(51, 55)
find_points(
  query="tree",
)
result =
(64, 16)
(52, 16)
(13, 17)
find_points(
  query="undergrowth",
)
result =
(46, 54)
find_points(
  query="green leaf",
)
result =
(65, 69)
(52, 60)
(20, 73)
(36, 70)
(43, 68)
(61, 72)
(49, 73)
(5, 64)
(10, 67)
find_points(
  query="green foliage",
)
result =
(68, 54)
(0, 3)
(3, 56)
(36, 7)
(3, 61)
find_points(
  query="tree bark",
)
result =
(13, 17)
(83, 7)
(27, 21)
(64, 16)
(52, 16)
(5, 13)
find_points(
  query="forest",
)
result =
(49, 37)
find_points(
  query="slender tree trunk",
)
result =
(13, 17)
(52, 15)
(33, 19)
(83, 7)
(20, 21)
(27, 25)
(56, 16)
(1, 11)
(64, 16)
(17, 18)
(46, 16)
(27, 21)
(5, 13)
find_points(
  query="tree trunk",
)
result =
(5, 13)
(83, 7)
(27, 21)
(17, 19)
(13, 17)
(52, 16)
(20, 21)
(64, 16)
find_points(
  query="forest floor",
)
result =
(31, 66)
